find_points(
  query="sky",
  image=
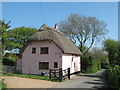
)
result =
(35, 14)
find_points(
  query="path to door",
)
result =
(85, 81)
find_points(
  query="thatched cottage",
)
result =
(48, 48)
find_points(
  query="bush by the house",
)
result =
(8, 61)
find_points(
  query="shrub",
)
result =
(90, 65)
(114, 76)
(3, 85)
(104, 62)
(13, 56)
(95, 66)
(8, 61)
(112, 47)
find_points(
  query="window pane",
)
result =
(43, 65)
(55, 64)
(33, 50)
(44, 50)
(74, 64)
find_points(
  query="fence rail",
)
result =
(10, 69)
(59, 74)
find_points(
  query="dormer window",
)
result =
(33, 50)
(44, 50)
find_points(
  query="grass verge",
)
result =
(28, 76)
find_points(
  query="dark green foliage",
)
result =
(8, 61)
(90, 64)
(113, 71)
(101, 56)
(114, 76)
(3, 85)
(111, 46)
(4, 26)
(14, 56)
(85, 63)
(94, 60)
(104, 62)
(18, 37)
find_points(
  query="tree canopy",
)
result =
(112, 47)
(98, 53)
(83, 30)
(18, 37)
(4, 26)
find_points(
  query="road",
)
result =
(85, 81)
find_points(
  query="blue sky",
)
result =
(34, 14)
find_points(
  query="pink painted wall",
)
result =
(31, 61)
(71, 61)
(19, 64)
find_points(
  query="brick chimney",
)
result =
(56, 27)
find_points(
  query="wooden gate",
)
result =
(59, 74)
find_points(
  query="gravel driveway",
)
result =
(18, 82)
(85, 81)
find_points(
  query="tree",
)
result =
(18, 37)
(4, 26)
(82, 30)
(101, 56)
(98, 53)
(112, 47)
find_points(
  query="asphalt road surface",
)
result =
(97, 80)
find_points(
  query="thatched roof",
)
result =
(47, 33)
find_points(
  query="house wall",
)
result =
(19, 64)
(30, 62)
(71, 61)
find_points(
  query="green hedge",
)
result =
(114, 76)
(95, 66)
(90, 64)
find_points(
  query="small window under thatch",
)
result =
(44, 50)
(33, 50)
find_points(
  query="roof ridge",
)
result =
(58, 37)
(58, 32)
(45, 27)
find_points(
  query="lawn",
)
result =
(28, 76)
